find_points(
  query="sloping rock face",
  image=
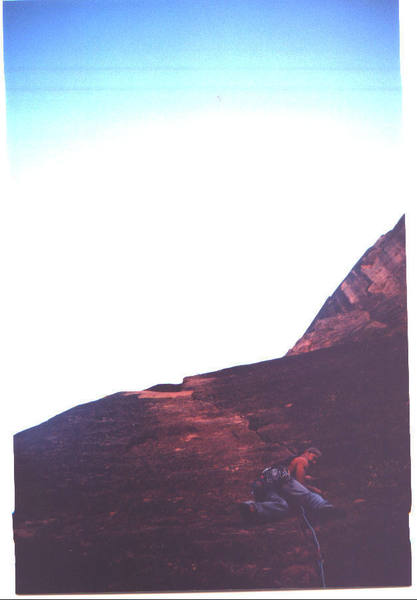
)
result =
(371, 301)
(137, 492)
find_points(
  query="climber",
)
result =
(280, 491)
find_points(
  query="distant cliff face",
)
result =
(371, 301)
(137, 492)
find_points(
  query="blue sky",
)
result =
(192, 180)
(74, 68)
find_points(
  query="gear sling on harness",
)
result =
(270, 477)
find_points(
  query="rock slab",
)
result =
(137, 492)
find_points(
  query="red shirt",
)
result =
(298, 468)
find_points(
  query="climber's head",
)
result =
(312, 454)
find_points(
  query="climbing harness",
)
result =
(277, 475)
(270, 478)
(316, 542)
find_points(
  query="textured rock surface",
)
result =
(371, 301)
(137, 491)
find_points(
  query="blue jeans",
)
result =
(291, 494)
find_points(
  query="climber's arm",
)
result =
(299, 472)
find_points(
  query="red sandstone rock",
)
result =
(136, 492)
(370, 301)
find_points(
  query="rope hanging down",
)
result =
(316, 542)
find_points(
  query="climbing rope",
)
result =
(316, 542)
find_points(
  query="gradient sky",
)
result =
(192, 180)
(74, 68)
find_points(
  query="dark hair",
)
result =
(315, 451)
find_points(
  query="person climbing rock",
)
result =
(281, 490)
